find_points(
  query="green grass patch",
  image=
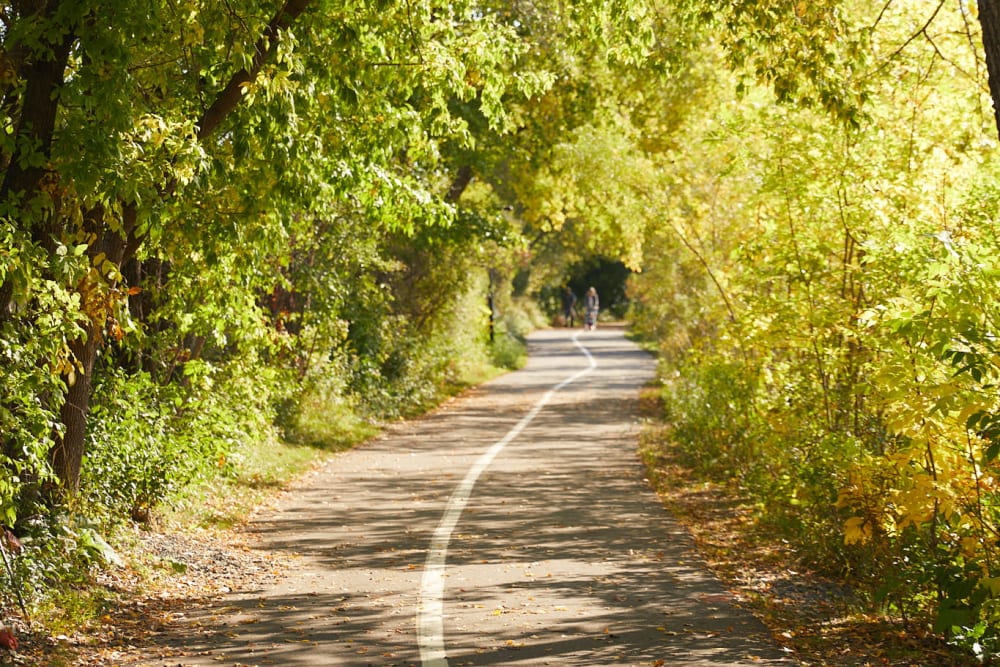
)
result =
(509, 351)
(322, 426)
(258, 471)
(326, 421)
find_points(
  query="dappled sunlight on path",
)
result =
(562, 555)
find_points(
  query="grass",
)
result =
(265, 467)
(324, 426)
(327, 421)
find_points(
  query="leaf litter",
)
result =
(171, 575)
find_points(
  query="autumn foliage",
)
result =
(824, 297)
(221, 219)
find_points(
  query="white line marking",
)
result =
(430, 611)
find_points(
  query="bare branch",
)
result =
(909, 40)
(956, 66)
(881, 14)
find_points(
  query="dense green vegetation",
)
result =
(233, 223)
(225, 223)
(823, 293)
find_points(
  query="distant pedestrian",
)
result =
(593, 305)
(569, 307)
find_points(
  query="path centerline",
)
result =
(430, 608)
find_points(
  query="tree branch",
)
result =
(881, 14)
(909, 40)
(230, 96)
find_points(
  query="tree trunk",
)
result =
(43, 75)
(43, 78)
(66, 456)
(43, 72)
(989, 19)
(459, 184)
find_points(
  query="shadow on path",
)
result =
(563, 556)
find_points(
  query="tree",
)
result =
(989, 19)
(108, 223)
(173, 166)
(133, 120)
(822, 288)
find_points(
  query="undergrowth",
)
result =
(192, 476)
(820, 618)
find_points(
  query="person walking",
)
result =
(593, 306)
(569, 307)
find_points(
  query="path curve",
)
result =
(559, 553)
(430, 610)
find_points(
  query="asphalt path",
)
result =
(512, 526)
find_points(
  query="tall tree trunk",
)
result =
(989, 19)
(43, 74)
(67, 456)
(21, 191)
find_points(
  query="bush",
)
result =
(320, 413)
(148, 440)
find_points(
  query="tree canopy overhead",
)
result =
(198, 191)
(216, 213)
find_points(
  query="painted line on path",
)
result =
(430, 610)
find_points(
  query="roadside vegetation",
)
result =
(819, 616)
(238, 235)
(823, 300)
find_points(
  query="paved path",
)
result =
(552, 551)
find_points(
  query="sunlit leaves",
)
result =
(832, 333)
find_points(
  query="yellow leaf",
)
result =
(992, 584)
(856, 530)
(970, 546)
